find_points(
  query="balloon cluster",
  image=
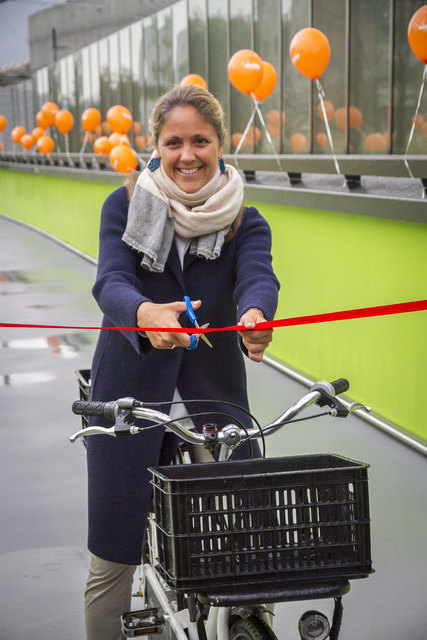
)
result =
(310, 53)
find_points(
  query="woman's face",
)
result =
(189, 149)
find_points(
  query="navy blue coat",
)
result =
(125, 364)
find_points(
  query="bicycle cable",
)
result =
(226, 402)
(280, 424)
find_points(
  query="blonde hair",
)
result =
(204, 102)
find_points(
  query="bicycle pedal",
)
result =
(142, 623)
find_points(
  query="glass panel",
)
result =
(138, 85)
(150, 63)
(85, 96)
(330, 17)
(198, 32)
(42, 85)
(219, 55)
(369, 78)
(115, 97)
(164, 28)
(240, 38)
(267, 25)
(94, 76)
(104, 76)
(125, 69)
(408, 73)
(296, 87)
(180, 41)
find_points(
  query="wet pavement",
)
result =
(43, 557)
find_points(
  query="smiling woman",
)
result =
(181, 230)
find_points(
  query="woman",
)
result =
(181, 230)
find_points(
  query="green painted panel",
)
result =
(68, 209)
(333, 261)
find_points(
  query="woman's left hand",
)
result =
(255, 342)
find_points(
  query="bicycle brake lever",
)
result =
(93, 431)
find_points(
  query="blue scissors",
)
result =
(192, 317)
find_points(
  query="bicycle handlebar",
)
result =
(125, 410)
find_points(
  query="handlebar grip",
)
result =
(86, 408)
(340, 386)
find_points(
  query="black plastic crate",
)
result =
(83, 379)
(268, 520)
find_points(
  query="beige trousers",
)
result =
(108, 594)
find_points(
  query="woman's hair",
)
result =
(204, 102)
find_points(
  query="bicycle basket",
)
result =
(267, 520)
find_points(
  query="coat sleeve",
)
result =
(117, 289)
(256, 283)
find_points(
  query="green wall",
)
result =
(326, 261)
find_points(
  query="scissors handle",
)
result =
(190, 311)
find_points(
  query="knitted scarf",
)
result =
(159, 208)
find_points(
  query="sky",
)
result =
(14, 14)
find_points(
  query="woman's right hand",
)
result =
(151, 315)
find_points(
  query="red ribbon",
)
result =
(351, 314)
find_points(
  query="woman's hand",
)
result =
(152, 315)
(255, 342)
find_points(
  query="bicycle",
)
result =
(227, 540)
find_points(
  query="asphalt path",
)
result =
(43, 556)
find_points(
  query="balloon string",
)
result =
(245, 133)
(85, 139)
(414, 122)
(267, 134)
(321, 95)
(67, 147)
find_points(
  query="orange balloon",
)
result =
(140, 142)
(102, 146)
(375, 142)
(136, 127)
(49, 110)
(123, 159)
(1, 146)
(27, 141)
(245, 70)
(424, 129)
(418, 121)
(119, 118)
(310, 52)
(91, 118)
(275, 119)
(64, 121)
(106, 128)
(253, 135)
(45, 144)
(321, 139)
(3, 123)
(329, 110)
(268, 82)
(417, 33)
(273, 131)
(354, 118)
(41, 120)
(118, 138)
(17, 133)
(298, 141)
(235, 139)
(37, 132)
(195, 79)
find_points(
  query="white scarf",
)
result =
(158, 208)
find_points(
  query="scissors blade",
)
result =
(202, 335)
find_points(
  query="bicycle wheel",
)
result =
(251, 628)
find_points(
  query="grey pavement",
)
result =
(43, 557)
